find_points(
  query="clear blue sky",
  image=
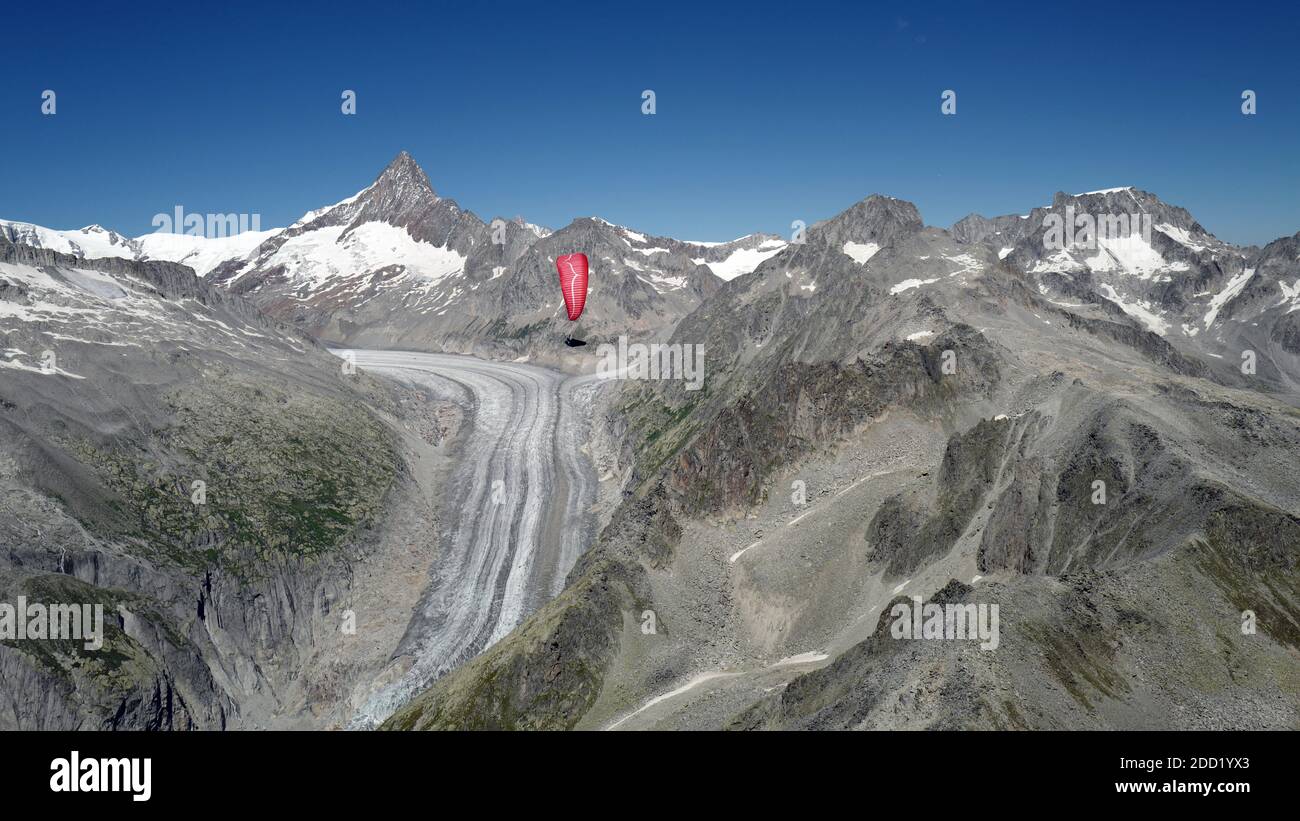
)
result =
(766, 114)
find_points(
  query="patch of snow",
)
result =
(1132, 254)
(1234, 287)
(1059, 261)
(661, 283)
(689, 685)
(198, 252)
(860, 252)
(1290, 294)
(741, 261)
(1180, 235)
(94, 283)
(316, 257)
(1137, 310)
(704, 244)
(908, 284)
(311, 215)
(15, 365)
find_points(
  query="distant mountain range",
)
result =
(396, 265)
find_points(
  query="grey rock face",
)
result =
(122, 385)
(878, 219)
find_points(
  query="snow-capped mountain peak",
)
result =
(91, 242)
(1106, 191)
(1124, 252)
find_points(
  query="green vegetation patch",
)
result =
(286, 474)
(1252, 554)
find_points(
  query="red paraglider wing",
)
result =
(573, 281)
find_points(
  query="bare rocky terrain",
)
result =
(949, 410)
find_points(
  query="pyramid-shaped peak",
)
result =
(878, 219)
(879, 205)
(404, 173)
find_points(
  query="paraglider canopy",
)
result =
(573, 282)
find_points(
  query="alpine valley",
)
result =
(346, 473)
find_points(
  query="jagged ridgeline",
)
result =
(399, 266)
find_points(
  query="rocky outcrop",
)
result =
(804, 407)
(1154, 645)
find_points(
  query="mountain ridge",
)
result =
(398, 265)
